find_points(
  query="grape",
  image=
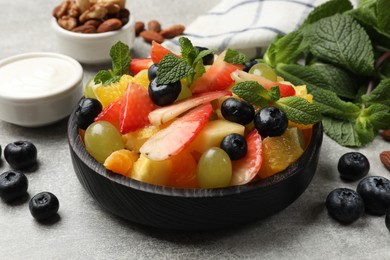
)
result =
(214, 169)
(262, 69)
(101, 139)
(88, 91)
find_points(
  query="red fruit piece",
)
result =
(164, 114)
(135, 108)
(136, 65)
(178, 135)
(111, 113)
(217, 77)
(157, 52)
(245, 169)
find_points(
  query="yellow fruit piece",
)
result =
(134, 140)
(142, 78)
(280, 151)
(121, 161)
(153, 172)
(301, 91)
(213, 133)
(108, 94)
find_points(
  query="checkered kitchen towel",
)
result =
(246, 25)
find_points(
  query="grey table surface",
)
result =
(84, 231)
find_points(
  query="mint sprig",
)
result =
(172, 69)
(342, 55)
(235, 57)
(297, 109)
(121, 58)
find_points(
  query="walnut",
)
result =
(62, 9)
(74, 10)
(67, 22)
(94, 12)
(83, 5)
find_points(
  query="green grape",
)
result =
(262, 69)
(214, 169)
(88, 90)
(184, 93)
(101, 139)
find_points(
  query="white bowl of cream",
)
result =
(39, 88)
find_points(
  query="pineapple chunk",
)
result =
(213, 133)
(150, 171)
(134, 140)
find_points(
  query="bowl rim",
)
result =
(94, 36)
(77, 146)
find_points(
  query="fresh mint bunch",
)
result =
(121, 58)
(342, 55)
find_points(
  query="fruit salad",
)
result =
(194, 119)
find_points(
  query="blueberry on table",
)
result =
(209, 58)
(235, 146)
(237, 111)
(21, 154)
(152, 72)
(375, 191)
(13, 185)
(86, 112)
(44, 205)
(353, 166)
(270, 121)
(164, 94)
(345, 205)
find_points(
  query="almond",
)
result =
(150, 36)
(109, 25)
(386, 135)
(173, 31)
(94, 23)
(385, 159)
(85, 28)
(154, 26)
(139, 27)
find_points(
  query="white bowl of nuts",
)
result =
(86, 29)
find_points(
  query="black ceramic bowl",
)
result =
(192, 209)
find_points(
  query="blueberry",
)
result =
(164, 94)
(86, 112)
(152, 72)
(13, 185)
(21, 154)
(209, 58)
(235, 146)
(387, 220)
(44, 205)
(270, 121)
(248, 65)
(375, 191)
(353, 166)
(344, 205)
(237, 111)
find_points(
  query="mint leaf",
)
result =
(299, 110)
(286, 49)
(274, 93)
(172, 69)
(202, 54)
(188, 51)
(343, 132)
(331, 105)
(381, 94)
(340, 40)
(383, 15)
(120, 55)
(103, 76)
(365, 131)
(235, 57)
(252, 92)
(327, 9)
(378, 115)
(320, 75)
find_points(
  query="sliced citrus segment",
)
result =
(142, 78)
(183, 171)
(121, 161)
(280, 151)
(108, 94)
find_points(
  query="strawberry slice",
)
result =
(135, 108)
(178, 135)
(136, 65)
(217, 77)
(286, 90)
(111, 113)
(245, 169)
(157, 52)
(164, 114)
